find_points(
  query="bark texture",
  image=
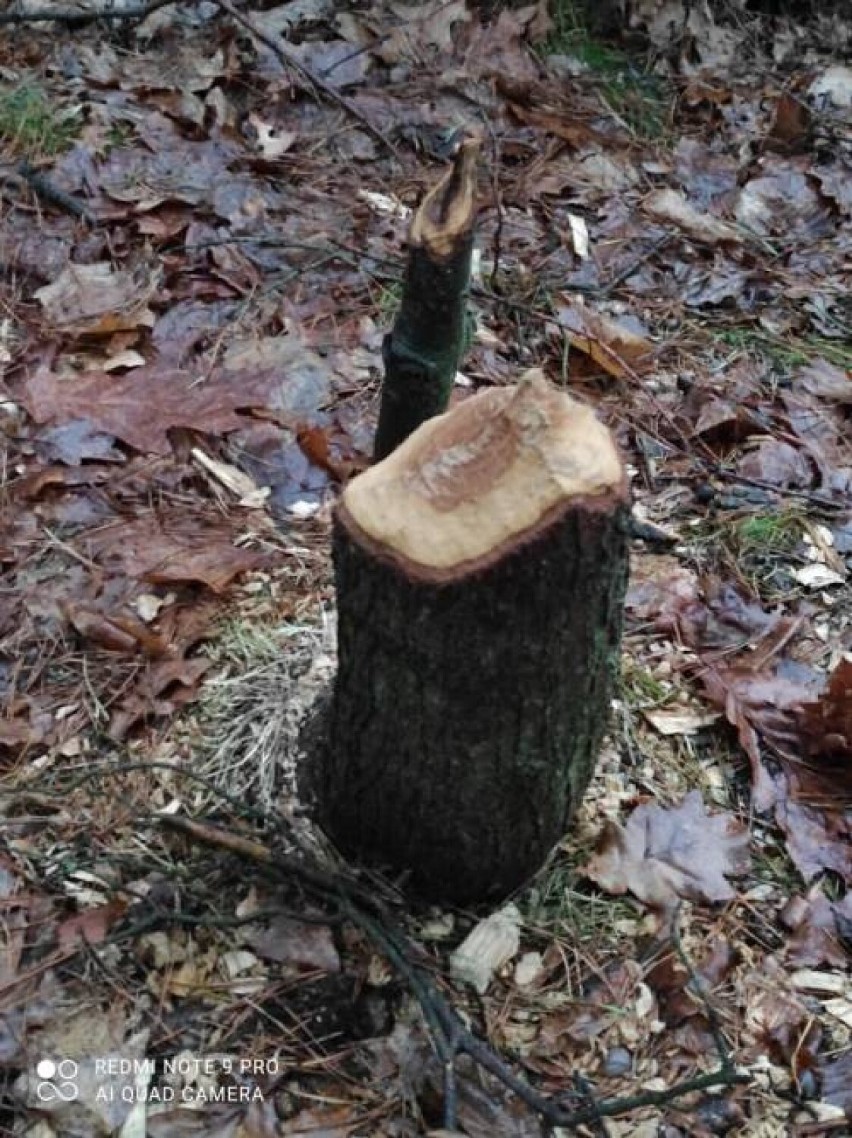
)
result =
(472, 693)
(467, 717)
(421, 353)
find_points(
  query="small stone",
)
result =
(618, 1061)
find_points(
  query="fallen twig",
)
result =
(448, 1032)
(652, 534)
(352, 901)
(75, 18)
(813, 497)
(277, 45)
(44, 187)
(696, 985)
(329, 884)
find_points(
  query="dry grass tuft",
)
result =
(250, 716)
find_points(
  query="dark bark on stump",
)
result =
(471, 700)
(421, 354)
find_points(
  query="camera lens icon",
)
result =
(57, 1080)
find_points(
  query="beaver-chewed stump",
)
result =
(480, 574)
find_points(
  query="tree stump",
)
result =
(480, 574)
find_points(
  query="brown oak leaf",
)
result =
(662, 855)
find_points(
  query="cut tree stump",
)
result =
(422, 351)
(480, 574)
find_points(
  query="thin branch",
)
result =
(279, 48)
(813, 497)
(49, 192)
(328, 884)
(76, 18)
(448, 1032)
(696, 985)
(614, 1106)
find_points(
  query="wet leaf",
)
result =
(97, 300)
(669, 205)
(777, 463)
(662, 855)
(791, 124)
(618, 349)
(140, 408)
(303, 944)
(836, 1075)
(826, 381)
(173, 550)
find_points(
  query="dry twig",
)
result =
(77, 18)
(450, 1036)
(277, 45)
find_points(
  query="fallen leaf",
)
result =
(116, 632)
(833, 86)
(817, 576)
(98, 300)
(126, 358)
(669, 205)
(836, 1073)
(680, 720)
(140, 407)
(818, 837)
(759, 701)
(271, 141)
(301, 943)
(840, 1008)
(498, 47)
(76, 441)
(825, 725)
(579, 236)
(328, 1122)
(528, 969)
(826, 381)
(814, 980)
(781, 200)
(619, 350)
(686, 33)
(233, 479)
(172, 549)
(91, 926)
(164, 687)
(777, 463)
(821, 930)
(661, 590)
(562, 124)
(662, 855)
(791, 125)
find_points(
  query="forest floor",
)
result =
(202, 233)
